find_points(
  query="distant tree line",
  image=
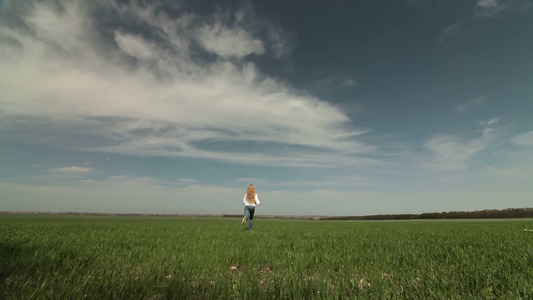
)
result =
(479, 214)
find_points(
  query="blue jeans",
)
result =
(249, 214)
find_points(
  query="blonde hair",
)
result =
(250, 194)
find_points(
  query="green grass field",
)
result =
(103, 257)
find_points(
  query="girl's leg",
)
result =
(246, 213)
(251, 215)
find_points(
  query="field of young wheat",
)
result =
(103, 257)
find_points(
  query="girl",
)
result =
(250, 200)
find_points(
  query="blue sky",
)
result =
(345, 108)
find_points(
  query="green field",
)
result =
(103, 257)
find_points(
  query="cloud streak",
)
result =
(525, 139)
(151, 84)
(470, 104)
(484, 11)
(452, 153)
(501, 8)
(72, 169)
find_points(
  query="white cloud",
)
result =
(72, 169)
(67, 30)
(134, 45)
(525, 139)
(333, 83)
(187, 180)
(156, 92)
(487, 131)
(451, 31)
(484, 11)
(492, 121)
(470, 104)
(490, 9)
(450, 153)
(487, 3)
(228, 42)
(61, 175)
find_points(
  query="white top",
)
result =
(251, 204)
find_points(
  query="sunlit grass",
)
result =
(76, 257)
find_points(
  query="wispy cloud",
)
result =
(451, 31)
(525, 139)
(515, 167)
(72, 169)
(492, 121)
(187, 180)
(501, 8)
(470, 104)
(484, 11)
(60, 175)
(453, 152)
(333, 83)
(147, 83)
(487, 3)
(229, 42)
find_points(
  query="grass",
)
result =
(95, 257)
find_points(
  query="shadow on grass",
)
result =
(26, 271)
(9, 257)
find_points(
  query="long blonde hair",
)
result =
(250, 194)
